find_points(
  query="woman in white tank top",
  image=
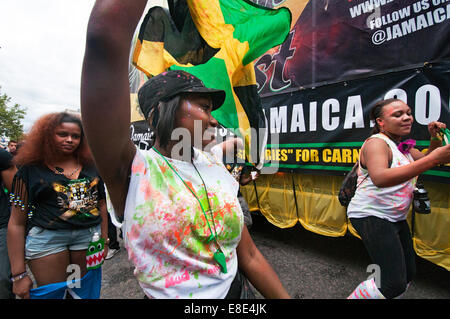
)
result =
(382, 200)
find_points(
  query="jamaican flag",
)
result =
(217, 41)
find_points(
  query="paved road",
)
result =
(310, 266)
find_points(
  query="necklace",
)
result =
(60, 171)
(219, 256)
(403, 147)
(390, 137)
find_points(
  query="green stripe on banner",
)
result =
(423, 143)
(319, 167)
(255, 30)
(437, 173)
(227, 112)
(343, 168)
(335, 144)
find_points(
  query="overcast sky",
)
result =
(42, 46)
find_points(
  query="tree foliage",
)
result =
(11, 118)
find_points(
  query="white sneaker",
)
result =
(111, 253)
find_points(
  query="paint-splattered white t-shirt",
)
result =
(166, 233)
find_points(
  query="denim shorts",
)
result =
(42, 242)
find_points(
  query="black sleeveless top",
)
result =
(52, 201)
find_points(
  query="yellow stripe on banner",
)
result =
(296, 7)
(136, 114)
(431, 232)
(152, 59)
(231, 55)
(318, 210)
(245, 76)
(147, 56)
(137, 50)
(208, 18)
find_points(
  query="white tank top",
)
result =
(390, 203)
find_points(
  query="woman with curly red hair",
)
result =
(41, 146)
(58, 203)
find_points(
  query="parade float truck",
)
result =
(316, 90)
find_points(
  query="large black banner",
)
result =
(340, 58)
(322, 129)
(335, 40)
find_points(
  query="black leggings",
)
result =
(389, 246)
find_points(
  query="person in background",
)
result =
(12, 147)
(114, 246)
(388, 169)
(3, 143)
(7, 172)
(58, 203)
(183, 225)
(235, 164)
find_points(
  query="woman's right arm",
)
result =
(105, 94)
(16, 251)
(258, 271)
(376, 158)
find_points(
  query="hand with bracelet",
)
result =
(436, 145)
(434, 129)
(22, 284)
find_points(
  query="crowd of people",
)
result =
(176, 204)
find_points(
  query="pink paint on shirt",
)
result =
(176, 280)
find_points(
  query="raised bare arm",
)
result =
(105, 94)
